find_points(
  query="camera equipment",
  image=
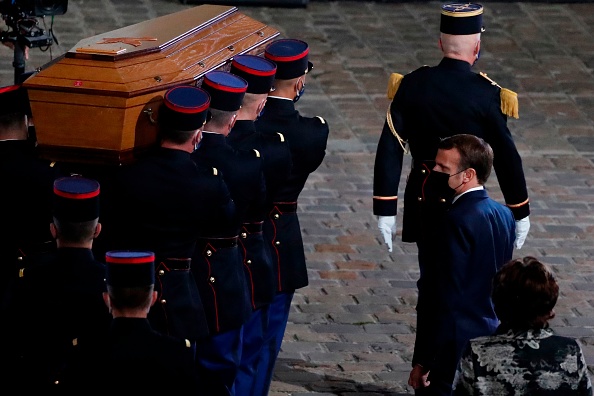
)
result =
(23, 30)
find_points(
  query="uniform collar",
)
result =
(455, 64)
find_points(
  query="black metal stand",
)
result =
(18, 61)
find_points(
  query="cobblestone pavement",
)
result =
(351, 330)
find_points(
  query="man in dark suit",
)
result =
(131, 356)
(57, 297)
(470, 237)
(432, 103)
(218, 266)
(27, 183)
(165, 202)
(307, 138)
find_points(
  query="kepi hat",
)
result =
(76, 199)
(14, 99)
(226, 90)
(461, 18)
(291, 57)
(257, 71)
(127, 268)
(184, 108)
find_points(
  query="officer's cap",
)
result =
(14, 99)
(290, 56)
(184, 108)
(226, 90)
(461, 18)
(256, 70)
(76, 199)
(126, 268)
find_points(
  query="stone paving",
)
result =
(351, 330)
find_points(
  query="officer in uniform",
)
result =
(27, 183)
(57, 298)
(165, 202)
(218, 266)
(307, 138)
(131, 356)
(432, 103)
(276, 160)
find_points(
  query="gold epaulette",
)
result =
(394, 84)
(509, 99)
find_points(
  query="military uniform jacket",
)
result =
(307, 138)
(432, 103)
(224, 279)
(165, 203)
(132, 357)
(276, 155)
(27, 193)
(276, 160)
(57, 300)
(466, 247)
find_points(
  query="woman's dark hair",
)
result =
(524, 294)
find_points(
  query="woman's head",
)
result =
(524, 294)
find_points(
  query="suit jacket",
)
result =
(307, 138)
(433, 103)
(462, 253)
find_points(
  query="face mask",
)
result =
(478, 55)
(437, 193)
(296, 98)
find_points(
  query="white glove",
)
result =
(387, 225)
(522, 227)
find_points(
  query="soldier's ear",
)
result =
(53, 230)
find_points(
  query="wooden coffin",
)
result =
(98, 103)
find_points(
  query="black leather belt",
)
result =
(174, 263)
(218, 243)
(285, 207)
(252, 228)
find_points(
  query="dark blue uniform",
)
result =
(276, 160)
(165, 204)
(133, 358)
(27, 186)
(432, 103)
(57, 300)
(227, 297)
(307, 138)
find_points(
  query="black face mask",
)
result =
(437, 194)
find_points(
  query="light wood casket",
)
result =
(98, 103)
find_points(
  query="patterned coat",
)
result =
(533, 362)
